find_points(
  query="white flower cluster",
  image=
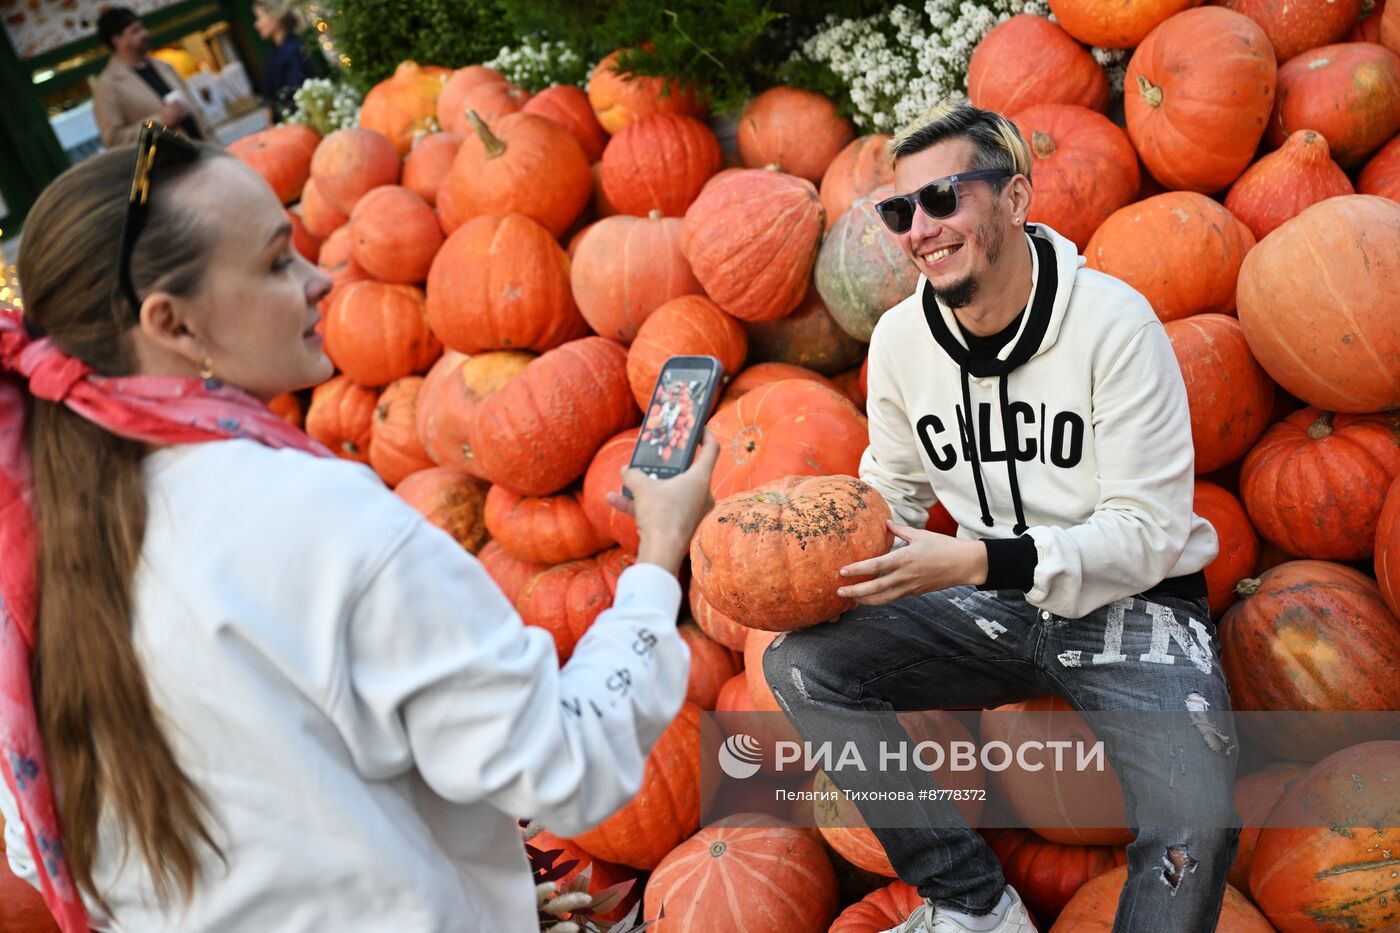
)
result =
(536, 64)
(1115, 65)
(326, 105)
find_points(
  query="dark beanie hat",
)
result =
(112, 21)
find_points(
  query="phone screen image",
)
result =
(671, 418)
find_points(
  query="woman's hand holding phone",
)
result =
(669, 510)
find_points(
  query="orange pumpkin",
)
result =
(22, 907)
(541, 529)
(1281, 184)
(691, 325)
(451, 500)
(568, 106)
(667, 808)
(1350, 93)
(1029, 60)
(1047, 874)
(880, 910)
(1295, 26)
(1092, 909)
(1181, 250)
(1368, 28)
(712, 665)
(341, 416)
(429, 163)
(394, 448)
(1390, 26)
(659, 163)
(798, 131)
(1382, 174)
(348, 163)
(404, 104)
(287, 407)
(337, 259)
(752, 238)
(786, 428)
(452, 99)
(717, 625)
(451, 391)
(1231, 397)
(1256, 795)
(377, 333)
(302, 241)
(320, 218)
(510, 573)
(283, 160)
(522, 164)
(627, 267)
(1114, 25)
(808, 337)
(539, 431)
(489, 99)
(749, 874)
(1315, 483)
(1317, 300)
(394, 235)
(770, 558)
(604, 476)
(1239, 545)
(566, 599)
(448, 218)
(857, 170)
(1199, 91)
(619, 98)
(1387, 556)
(763, 373)
(862, 269)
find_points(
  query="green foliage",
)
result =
(378, 34)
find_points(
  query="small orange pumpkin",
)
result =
(451, 500)
(522, 163)
(541, 529)
(394, 235)
(377, 333)
(799, 131)
(394, 448)
(341, 416)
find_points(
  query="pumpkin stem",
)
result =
(494, 146)
(1042, 144)
(1248, 587)
(1321, 427)
(1150, 92)
(718, 848)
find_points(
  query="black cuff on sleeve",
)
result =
(1010, 563)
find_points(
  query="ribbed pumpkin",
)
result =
(1255, 796)
(1072, 807)
(538, 432)
(394, 448)
(770, 558)
(602, 875)
(453, 98)
(451, 500)
(1047, 874)
(857, 170)
(1295, 26)
(625, 268)
(454, 386)
(1350, 93)
(1311, 635)
(604, 476)
(1239, 545)
(750, 874)
(751, 238)
(808, 337)
(510, 573)
(337, 259)
(659, 163)
(1315, 483)
(302, 241)
(349, 163)
(429, 164)
(712, 665)
(1231, 397)
(756, 642)
(714, 623)
(1199, 91)
(799, 131)
(1381, 176)
(763, 373)
(377, 333)
(1028, 60)
(568, 106)
(1182, 250)
(489, 100)
(1317, 300)
(1387, 556)
(881, 910)
(667, 808)
(1283, 183)
(283, 161)
(404, 104)
(566, 599)
(502, 283)
(1084, 166)
(320, 217)
(620, 98)
(1337, 870)
(1092, 909)
(341, 416)
(1114, 25)
(394, 235)
(691, 325)
(862, 269)
(521, 164)
(785, 428)
(541, 529)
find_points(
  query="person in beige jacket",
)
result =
(133, 87)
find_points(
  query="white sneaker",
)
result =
(927, 919)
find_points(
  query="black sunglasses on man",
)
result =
(938, 199)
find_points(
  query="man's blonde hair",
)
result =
(997, 142)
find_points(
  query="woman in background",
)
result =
(287, 66)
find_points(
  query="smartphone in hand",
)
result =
(674, 421)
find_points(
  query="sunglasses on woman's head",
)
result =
(156, 148)
(938, 199)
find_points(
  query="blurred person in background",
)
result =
(134, 87)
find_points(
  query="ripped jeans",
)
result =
(963, 648)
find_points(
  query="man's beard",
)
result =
(961, 293)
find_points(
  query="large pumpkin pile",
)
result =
(506, 289)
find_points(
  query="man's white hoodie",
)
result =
(1090, 397)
